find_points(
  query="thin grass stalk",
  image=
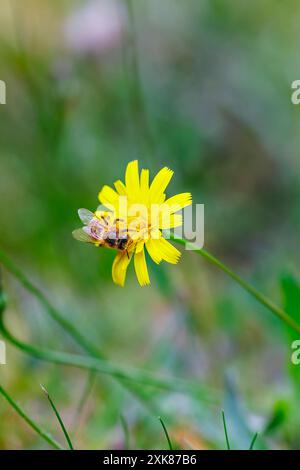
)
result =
(126, 432)
(225, 430)
(166, 433)
(59, 419)
(253, 441)
(38, 429)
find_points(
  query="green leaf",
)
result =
(277, 418)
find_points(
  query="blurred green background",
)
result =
(203, 87)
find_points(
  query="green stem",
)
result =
(279, 312)
(53, 312)
(44, 434)
(80, 339)
(120, 373)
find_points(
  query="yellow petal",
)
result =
(144, 186)
(139, 246)
(155, 233)
(119, 268)
(108, 197)
(153, 250)
(120, 187)
(141, 269)
(144, 180)
(179, 201)
(159, 184)
(167, 251)
(132, 180)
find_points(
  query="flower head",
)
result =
(133, 219)
(96, 27)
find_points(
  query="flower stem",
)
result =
(279, 312)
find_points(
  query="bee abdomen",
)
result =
(122, 243)
(112, 242)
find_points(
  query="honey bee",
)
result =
(103, 230)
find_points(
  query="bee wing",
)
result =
(85, 216)
(80, 235)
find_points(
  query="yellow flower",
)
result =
(139, 212)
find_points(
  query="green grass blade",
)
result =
(253, 441)
(39, 430)
(126, 432)
(59, 419)
(166, 433)
(225, 430)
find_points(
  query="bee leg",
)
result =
(105, 219)
(127, 254)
